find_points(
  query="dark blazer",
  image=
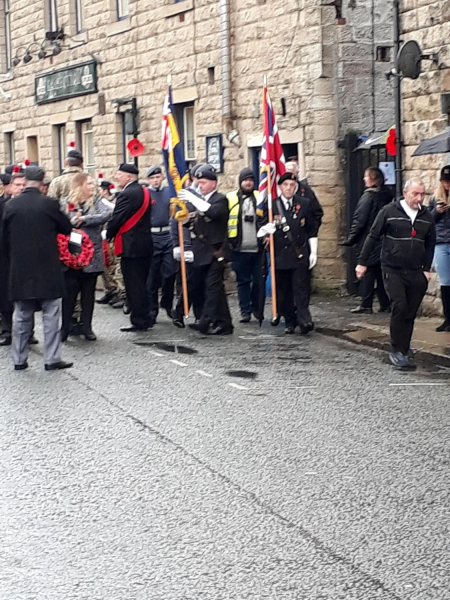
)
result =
(291, 247)
(210, 231)
(5, 304)
(305, 191)
(31, 223)
(137, 243)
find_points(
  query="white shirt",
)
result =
(412, 214)
(208, 196)
(287, 203)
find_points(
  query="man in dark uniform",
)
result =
(130, 227)
(163, 269)
(6, 307)
(296, 245)
(209, 235)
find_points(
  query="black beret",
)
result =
(287, 177)
(75, 154)
(9, 169)
(246, 173)
(5, 178)
(106, 185)
(34, 174)
(128, 168)
(445, 173)
(195, 168)
(206, 172)
(154, 170)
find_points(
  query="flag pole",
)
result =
(272, 246)
(184, 287)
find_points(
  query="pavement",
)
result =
(172, 466)
(333, 317)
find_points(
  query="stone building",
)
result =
(324, 64)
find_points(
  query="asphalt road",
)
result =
(247, 467)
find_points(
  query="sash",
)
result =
(118, 241)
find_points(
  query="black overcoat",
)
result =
(211, 231)
(31, 224)
(5, 304)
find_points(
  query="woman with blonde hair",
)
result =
(439, 207)
(87, 212)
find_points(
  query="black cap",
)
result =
(195, 168)
(106, 185)
(206, 172)
(287, 177)
(10, 168)
(445, 173)
(154, 170)
(34, 174)
(5, 178)
(246, 173)
(128, 168)
(75, 154)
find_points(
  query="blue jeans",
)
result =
(442, 263)
(247, 266)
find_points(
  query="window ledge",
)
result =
(79, 39)
(8, 76)
(118, 27)
(178, 8)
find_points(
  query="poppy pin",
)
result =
(414, 233)
(135, 148)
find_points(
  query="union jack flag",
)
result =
(271, 154)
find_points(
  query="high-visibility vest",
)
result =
(233, 217)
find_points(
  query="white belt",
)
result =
(160, 229)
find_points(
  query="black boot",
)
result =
(445, 297)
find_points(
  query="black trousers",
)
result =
(293, 292)
(7, 318)
(406, 290)
(196, 292)
(162, 274)
(367, 288)
(247, 266)
(78, 282)
(215, 309)
(135, 273)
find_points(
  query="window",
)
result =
(7, 26)
(52, 15)
(127, 135)
(79, 16)
(85, 139)
(61, 146)
(33, 150)
(189, 132)
(122, 9)
(9, 148)
(383, 53)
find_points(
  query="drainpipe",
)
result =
(224, 12)
(398, 105)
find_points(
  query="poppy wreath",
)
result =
(80, 260)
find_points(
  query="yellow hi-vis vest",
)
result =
(233, 217)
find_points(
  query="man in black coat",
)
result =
(409, 237)
(375, 197)
(209, 237)
(296, 245)
(31, 225)
(130, 227)
(6, 308)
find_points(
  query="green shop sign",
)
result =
(66, 83)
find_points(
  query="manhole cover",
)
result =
(175, 348)
(243, 374)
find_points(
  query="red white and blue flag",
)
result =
(172, 148)
(271, 154)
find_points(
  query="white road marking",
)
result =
(204, 373)
(178, 363)
(414, 384)
(237, 386)
(156, 353)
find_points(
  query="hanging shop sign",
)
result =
(69, 82)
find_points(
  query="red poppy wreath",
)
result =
(80, 260)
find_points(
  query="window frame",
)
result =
(80, 17)
(126, 137)
(187, 155)
(8, 41)
(121, 15)
(61, 140)
(9, 147)
(52, 15)
(82, 136)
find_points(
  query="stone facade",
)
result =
(324, 72)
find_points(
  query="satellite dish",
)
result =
(409, 60)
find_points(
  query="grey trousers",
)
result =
(23, 326)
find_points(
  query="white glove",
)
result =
(199, 203)
(177, 253)
(313, 247)
(103, 234)
(267, 229)
(189, 256)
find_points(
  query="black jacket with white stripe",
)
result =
(406, 245)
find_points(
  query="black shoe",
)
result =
(305, 329)
(21, 367)
(33, 341)
(445, 326)
(106, 298)
(118, 304)
(385, 309)
(6, 340)
(221, 330)
(90, 336)
(361, 310)
(75, 329)
(62, 364)
(131, 328)
(400, 361)
(179, 323)
(126, 309)
(290, 330)
(276, 321)
(245, 319)
(198, 327)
